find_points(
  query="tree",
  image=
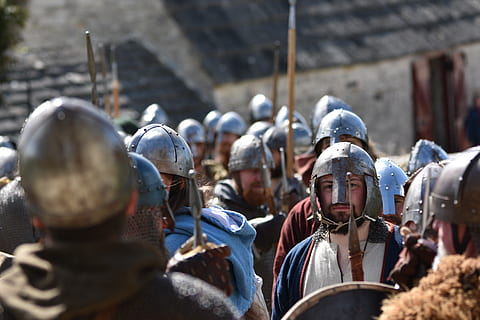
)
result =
(13, 16)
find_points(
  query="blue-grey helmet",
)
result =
(260, 108)
(152, 206)
(341, 122)
(338, 160)
(152, 191)
(154, 113)
(193, 132)
(210, 123)
(276, 137)
(259, 128)
(424, 152)
(325, 105)
(246, 153)
(74, 166)
(7, 142)
(230, 122)
(164, 147)
(413, 209)
(282, 116)
(8, 163)
(390, 180)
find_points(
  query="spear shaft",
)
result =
(291, 85)
(276, 59)
(115, 85)
(91, 67)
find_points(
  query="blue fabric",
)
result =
(395, 247)
(235, 232)
(287, 288)
(288, 291)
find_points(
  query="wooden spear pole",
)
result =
(291, 85)
(276, 59)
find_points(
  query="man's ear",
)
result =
(37, 223)
(132, 204)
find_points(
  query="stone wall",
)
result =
(62, 23)
(380, 93)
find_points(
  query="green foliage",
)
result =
(13, 16)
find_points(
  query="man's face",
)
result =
(325, 142)
(277, 169)
(397, 217)
(340, 212)
(224, 146)
(445, 241)
(198, 152)
(252, 187)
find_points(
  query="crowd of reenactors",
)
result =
(100, 220)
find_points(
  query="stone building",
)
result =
(407, 67)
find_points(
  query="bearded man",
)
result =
(323, 258)
(244, 192)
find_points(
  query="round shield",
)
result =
(357, 300)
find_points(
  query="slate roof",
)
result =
(236, 37)
(143, 78)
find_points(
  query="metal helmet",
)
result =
(152, 202)
(390, 180)
(260, 108)
(74, 166)
(164, 147)
(154, 113)
(192, 131)
(210, 123)
(325, 105)
(152, 191)
(424, 152)
(338, 160)
(276, 137)
(8, 162)
(339, 122)
(6, 142)
(413, 208)
(259, 128)
(230, 122)
(246, 153)
(455, 196)
(282, 116)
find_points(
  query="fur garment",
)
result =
(451, 292)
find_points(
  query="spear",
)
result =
(115, 85)
(267, 182)
(276, 59)
(106, 96)
(195, 200)
(354, 250)
(291, 80)
(91, 67)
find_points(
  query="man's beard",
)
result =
(343, 229)
(441, 252)
(253, 196)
